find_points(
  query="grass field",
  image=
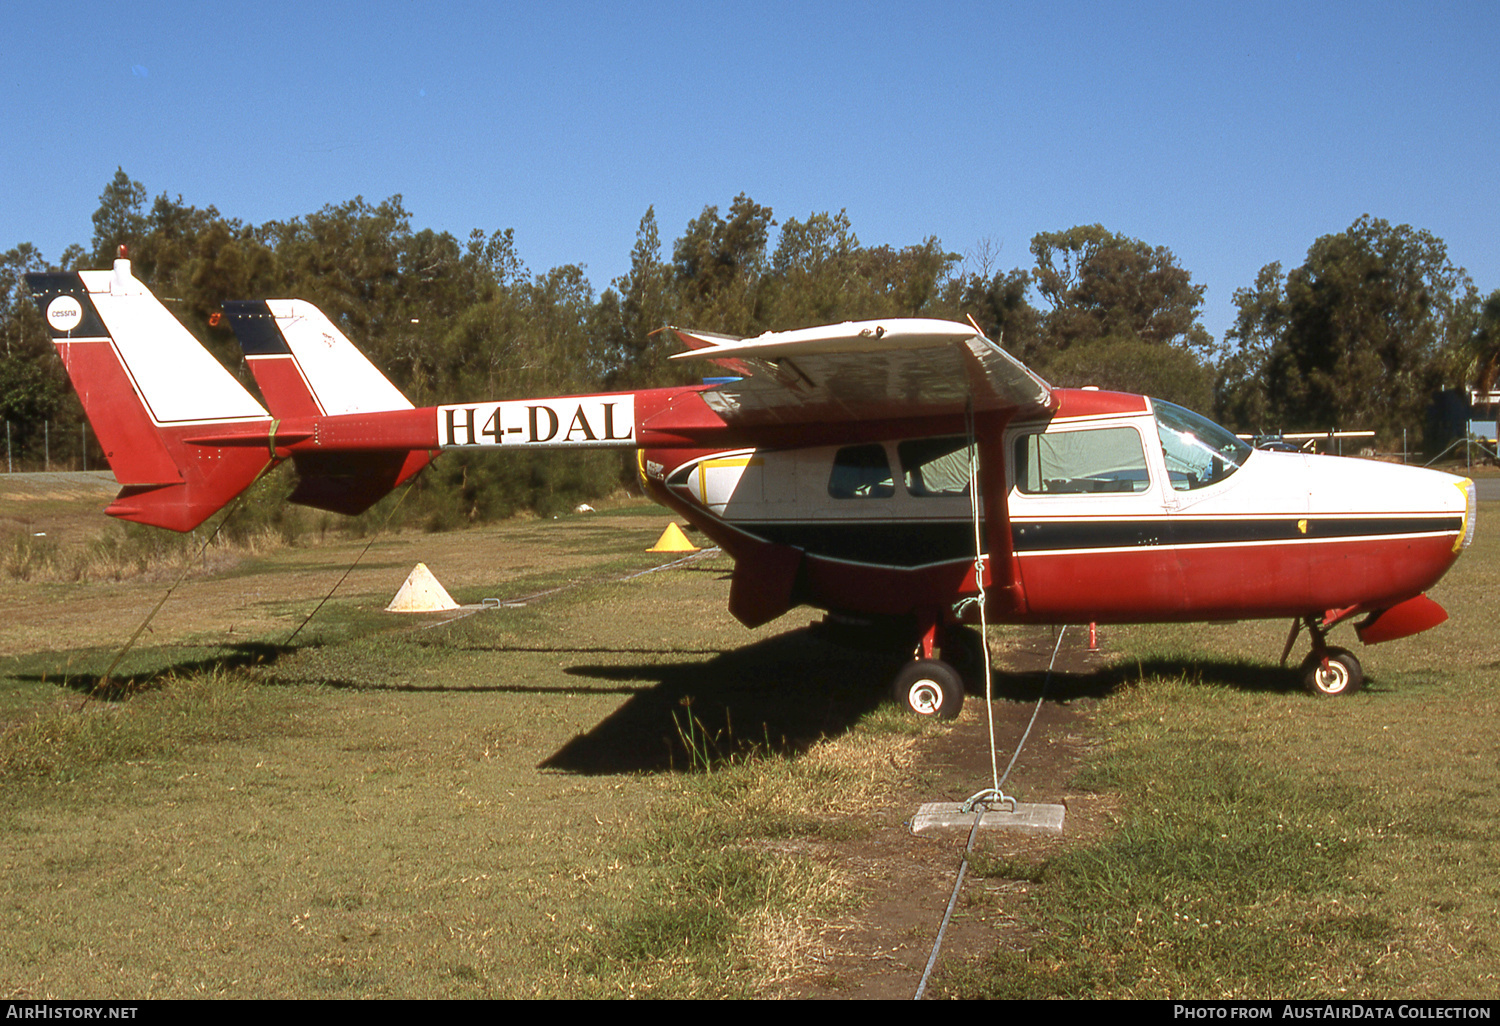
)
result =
(611, 791)
(1276, 845)
(398, 807)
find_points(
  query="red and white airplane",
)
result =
(859, 468)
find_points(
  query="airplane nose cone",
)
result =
(1471, 513)
(1398, 528)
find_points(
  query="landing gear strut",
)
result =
(1327, 670)
(929, 686)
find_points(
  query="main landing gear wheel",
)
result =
(965, 651)
(1332, 671)
(929, 687)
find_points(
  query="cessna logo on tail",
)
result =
(64, 314)
(591, 421)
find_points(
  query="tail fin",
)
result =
(306, 367)
(148, 387)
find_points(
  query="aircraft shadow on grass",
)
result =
(783, 694)
(779, 695)
(243, 655)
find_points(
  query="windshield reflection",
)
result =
(1199, 452)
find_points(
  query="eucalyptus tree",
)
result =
(1358, 336)
(1122, 314)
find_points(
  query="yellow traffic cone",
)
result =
(673, 540)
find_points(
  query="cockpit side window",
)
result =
(861, 472)
(1088, 462)
(935, 466)
(1198, 451)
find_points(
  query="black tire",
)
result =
(929, 687)
(1342, 675)
(965, 651)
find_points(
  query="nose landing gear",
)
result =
(1333, 671)
(1327, 670)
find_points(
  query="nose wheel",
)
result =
(1332, 671)
(1327, 671)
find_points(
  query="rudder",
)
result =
(147, 386)
(306, 367)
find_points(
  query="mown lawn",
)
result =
(1272, 844)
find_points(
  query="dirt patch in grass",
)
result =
(906, 880)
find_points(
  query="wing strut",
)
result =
(992, 793)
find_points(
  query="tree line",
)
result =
(1364, 333)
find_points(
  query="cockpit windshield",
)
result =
(1198, 451)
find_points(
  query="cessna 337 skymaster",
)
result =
(835, 468)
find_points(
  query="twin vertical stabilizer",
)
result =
(307, 368)
(304, 365)
(147, 387)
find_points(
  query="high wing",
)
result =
(864, 370)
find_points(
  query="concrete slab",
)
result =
(1028, 818)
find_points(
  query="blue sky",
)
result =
(1235, 134)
